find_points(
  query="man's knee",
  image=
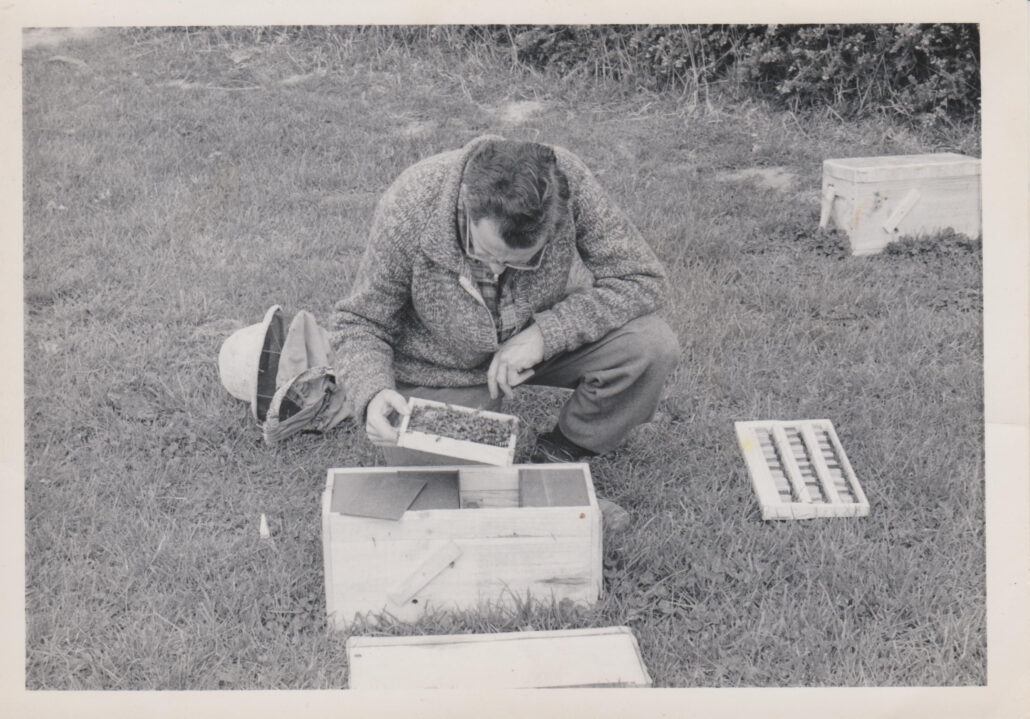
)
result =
(653, 340)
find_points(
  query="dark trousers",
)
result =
(616, 382)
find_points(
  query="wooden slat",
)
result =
(608, 657)
(845, 464)
(425, 573)
(815, 456)
(327, 561)
(787, 456)
(758, 469)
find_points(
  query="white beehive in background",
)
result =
(799, 470)
(876, 200)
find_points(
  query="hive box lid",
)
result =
(603, 657)
(902, 167)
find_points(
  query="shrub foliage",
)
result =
(925, 73)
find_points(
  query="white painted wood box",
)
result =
(876, 200)
(602, 657)
(475, 537)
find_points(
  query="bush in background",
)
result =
(923, 73)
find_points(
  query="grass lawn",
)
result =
(179, 183)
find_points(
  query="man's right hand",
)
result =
(377, 417)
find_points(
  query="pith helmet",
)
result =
(249, 360)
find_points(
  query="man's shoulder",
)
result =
(426, 170)
(567, 159)
(438, 165)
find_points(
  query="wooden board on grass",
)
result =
(605, 657)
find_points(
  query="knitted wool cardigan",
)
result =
(409, 317)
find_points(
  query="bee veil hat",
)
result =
(286, 375)
(249, 360)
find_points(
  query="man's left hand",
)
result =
(512, 364)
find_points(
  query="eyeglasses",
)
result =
(533, 263)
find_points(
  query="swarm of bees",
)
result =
(467, 426)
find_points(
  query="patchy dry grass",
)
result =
(179, 183)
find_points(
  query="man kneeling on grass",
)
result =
(464, 293)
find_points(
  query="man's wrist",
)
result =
(551, 333)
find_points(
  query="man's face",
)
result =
(487, 246)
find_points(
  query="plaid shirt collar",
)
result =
(494, 289)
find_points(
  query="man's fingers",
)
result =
(377, 423)
(380, 431)
(491, 378)
(513, 375)
(398, 402)
(502, 380)
(521, 377)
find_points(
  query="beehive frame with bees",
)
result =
(799, 470)
(460, 432)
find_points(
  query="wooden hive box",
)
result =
(876, 200)
(474, 537)
(604, 657)
(423, 440)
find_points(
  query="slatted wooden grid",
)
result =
(799, 470)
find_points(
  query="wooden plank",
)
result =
(331, 608)
(439, 560)
(608, 657)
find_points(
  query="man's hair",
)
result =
(520, 186)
